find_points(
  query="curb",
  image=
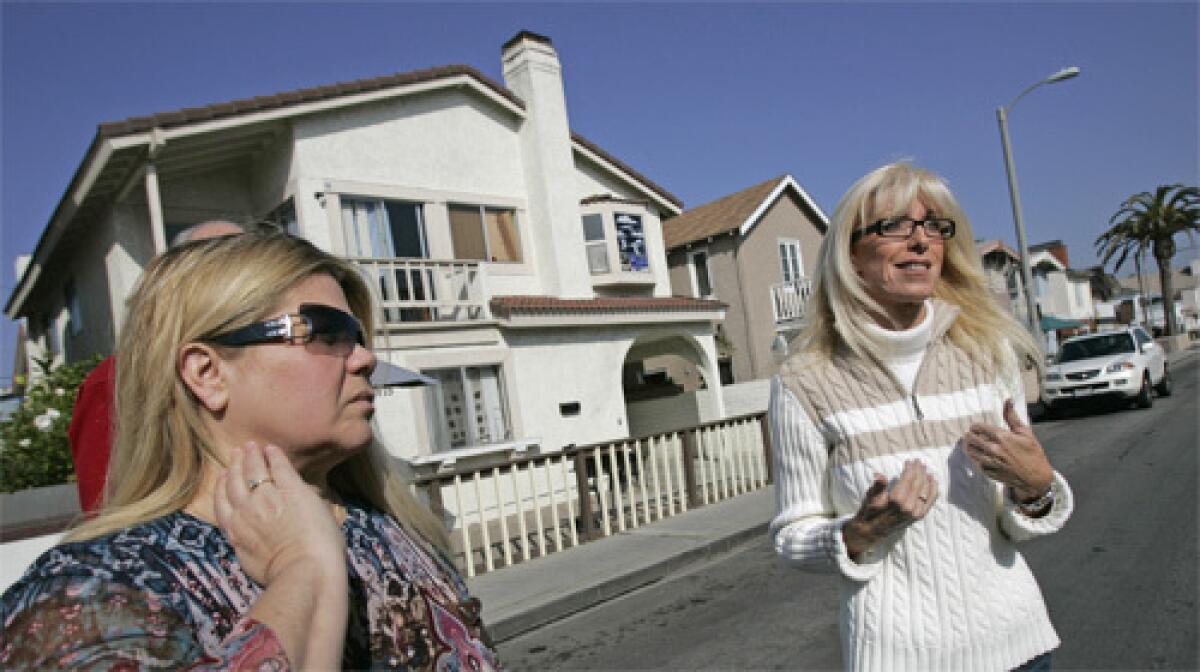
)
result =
(592, 595)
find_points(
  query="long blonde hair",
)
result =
(162, 444)
(840, 307)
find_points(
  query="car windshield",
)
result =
(1099, 346)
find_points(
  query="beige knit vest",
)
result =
(828, 388)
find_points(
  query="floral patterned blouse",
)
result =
(170, 593)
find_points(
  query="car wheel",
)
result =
(1049, 412)
(1164, 386)
(1144, 398)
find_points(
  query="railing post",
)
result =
(689, 468)
(587, 514)
(768, 451)
(434, 489)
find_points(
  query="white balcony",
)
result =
(789, 300)
(413, 291)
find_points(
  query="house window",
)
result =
(383, 229)
(484, 233)
(703, 280)
(74, 311)
(468, 408)
(595, 243)
(789, 260)
(631, 242)
(725, 370)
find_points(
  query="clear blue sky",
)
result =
(704, 98)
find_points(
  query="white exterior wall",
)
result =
(271, 180)
(746, 398)
(678, 412)
(220, 194)
(437, 148)
(1079, 300)
(444, 140)
(557, 366)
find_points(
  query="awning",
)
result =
(1051, 323)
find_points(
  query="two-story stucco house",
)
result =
(754, 250)
(516, 262)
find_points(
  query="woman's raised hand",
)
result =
(889, 508)
(275, 521)
(1011, 456)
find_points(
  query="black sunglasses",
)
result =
(904, 227)
(325, 328)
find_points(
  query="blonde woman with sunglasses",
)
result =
(904, 458)
(252, 519)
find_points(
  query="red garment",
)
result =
(90, 433)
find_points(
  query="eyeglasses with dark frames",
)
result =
(324, 329)
(937, 228)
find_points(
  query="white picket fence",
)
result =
(533, 506)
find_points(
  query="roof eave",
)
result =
(77, 191)
(787, 181)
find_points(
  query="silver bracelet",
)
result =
(1036, 506)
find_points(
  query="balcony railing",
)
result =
(426, 290)
(790, 300)
(532, 506)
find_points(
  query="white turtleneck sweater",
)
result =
(950, 591)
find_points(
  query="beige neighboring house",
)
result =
(755, 251)
(518, 263)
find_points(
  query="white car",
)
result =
(1122, 364)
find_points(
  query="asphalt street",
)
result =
(1119, 580)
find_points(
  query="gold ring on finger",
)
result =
(253, 483)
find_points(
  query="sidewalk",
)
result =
(531, 594)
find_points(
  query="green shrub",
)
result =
(33, 440)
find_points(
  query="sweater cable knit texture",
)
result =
(950, 591)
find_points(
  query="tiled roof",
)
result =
(717, 217)
(317, 93)
(506, 306)
(262, 103)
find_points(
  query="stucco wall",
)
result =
(552, 367)
(219, 194)
(445, 140)
(271, 174)
(669, 413)
(748, 397)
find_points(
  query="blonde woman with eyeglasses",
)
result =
(252, 519)
(904, 458)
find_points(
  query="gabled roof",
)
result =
(119, 148)
(242, 106)
(986, 247)
(736, 212)
(1044, 256)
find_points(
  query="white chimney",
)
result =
(533, 72)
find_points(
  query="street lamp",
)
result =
(1022, 248)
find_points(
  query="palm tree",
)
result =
(1150, 221)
